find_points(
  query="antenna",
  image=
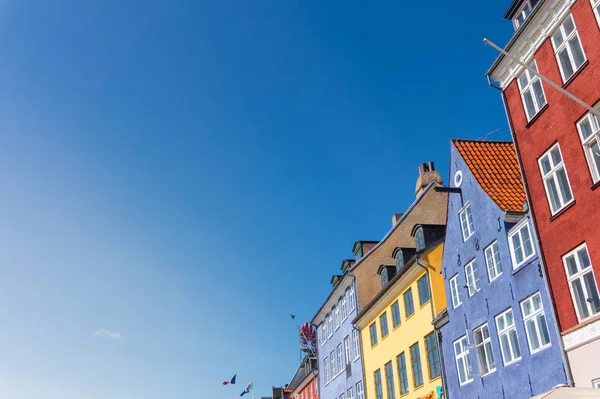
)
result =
(485, 136)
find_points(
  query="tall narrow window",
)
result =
(567, 48)
(555, 178)
(483, 348)
(466, 222)
(493, 262)
(424, 294)
(507, 335)
(415, 360)
(596, 7)
(534, 318)
(356, 343)
(330, 324)
(455, 290)
(409, 305)
(582, 283)
(402, 373)
(521, 247)
(378, 387)
(324, 331)
(359, 390)
(326, 374)
(433, 356)
(352, 298)
(472, 275)
(337, 314)
(334, 365)
(395, 314)
(463, 362)
(389, 381)
(589, 131)
(344, 309)
(383, 325)
(532, 92)
(347, 348)
(373, 332)
(350, 393)
(340, 359)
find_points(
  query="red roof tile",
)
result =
(494, 165)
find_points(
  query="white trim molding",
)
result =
(584, 335)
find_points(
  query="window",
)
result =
(409, 306)
(493, 262)
(424, 294)
(415, 360)
(433, 356)
(340, 359)
(334, 365)
(532, 92)
(337, 314)
(344, 309)
(555, 178)
(534, 318)
(356, 343)
(395, 314)
(472, 275)
(419, 240)
(389, 381)
(326, 370)
(384, 325)
(455, 290)
(384, 277)
(589, 132)
(596, 7)
(373, 332)
(521, 247)
(567, 48)
(342, 396)
(352, 298)
(463, 362)
(483, 349)
(359, 390)
(507, 335)
(359, 252)
(523, 13)
(350, 393)
(324, 331)
(330, 324)
(347, 348)
(466, 222)
(596, 382)
(378, 388)
(584, 290)
(402, 374)
(400, 258)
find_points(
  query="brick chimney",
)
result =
(427, 174)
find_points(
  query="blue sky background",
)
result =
(188, 173)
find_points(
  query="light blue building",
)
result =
(339, 356)
(499, 335)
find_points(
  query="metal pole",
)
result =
(545, 79)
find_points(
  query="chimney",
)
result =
(395, 218)
(427, 174)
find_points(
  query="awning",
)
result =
(570, 393)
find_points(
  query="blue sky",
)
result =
(179, 176)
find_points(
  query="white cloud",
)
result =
(114, 335)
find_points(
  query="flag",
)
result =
(248, 388)
(231, 381)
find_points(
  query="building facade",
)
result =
(305, 383)
(557, 142)
(499, 337)
(339, 354)
(400, 348)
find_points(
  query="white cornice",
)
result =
(582, 336)
(333, 298)
(543, 24)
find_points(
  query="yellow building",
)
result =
(400, 349)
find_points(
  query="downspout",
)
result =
(542, 255)
(435, 330)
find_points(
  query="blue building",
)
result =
(339, 356)
(499, 334)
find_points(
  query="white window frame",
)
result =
(344, 307)
(350, 393)
(532, 79)
(330, 324)
(506, 331)
(352, 298)
(467, 227)
(337, 315)
(347, 349)
(356, 343)
(340, 359)
(326, 367)
(464, 354)
(472, 278)
(493, 261)
(533, 316)
(526, 5)
(594, 123)
(579, 276)
(324, 331)
(359, 390)
(342, 396)
(564, 44)
(596, 383)
(455, 289)
(484, 348)
(553, 173)
(518, 231)
(596, 7)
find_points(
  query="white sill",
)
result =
(495, 278)
(512, 362)
(489, 373)
(523, 262)
(541, 348)
(564, 206)
(465, 383)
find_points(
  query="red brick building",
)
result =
(558, 143)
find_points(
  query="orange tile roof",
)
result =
(494, 165)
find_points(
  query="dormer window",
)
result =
(523, 13)
(384, 278)
(359, 252)
(401, 256)
(399, 260)
(386, 273)
(427, 235)
(419, 239)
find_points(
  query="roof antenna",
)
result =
(485, 136)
